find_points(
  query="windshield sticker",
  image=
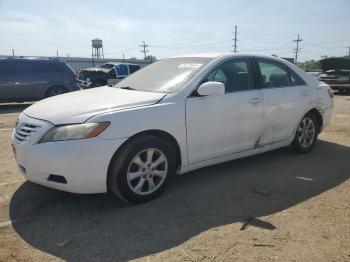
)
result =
(192, 66)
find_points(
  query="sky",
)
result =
(40, 27)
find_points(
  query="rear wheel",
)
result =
(56, 90)
(306, 134)
(140, 171)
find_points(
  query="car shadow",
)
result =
(13, 107)
(101, 227)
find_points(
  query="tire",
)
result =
(56, 90)
(131, 174)
(305, 135)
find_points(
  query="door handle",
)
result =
(255, 100)
(305, 93)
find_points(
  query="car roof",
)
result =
(115, 63)
(228, 55)
(31, 59)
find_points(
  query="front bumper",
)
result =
(83, 163)
(84, 84)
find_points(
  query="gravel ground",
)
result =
(276, 206)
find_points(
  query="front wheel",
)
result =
(306, 134)
(139, 172)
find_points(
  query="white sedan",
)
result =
(173, 116)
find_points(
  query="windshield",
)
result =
(165, 76)
(107, 66)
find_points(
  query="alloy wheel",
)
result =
(147, 171)
(306, 132)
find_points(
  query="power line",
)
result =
(297, 49)
(144, 51)
(235, 40)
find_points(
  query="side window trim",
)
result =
(216, 67)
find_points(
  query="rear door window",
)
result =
(273, 74)
(38, 68)
(20, 67)
(56, 68)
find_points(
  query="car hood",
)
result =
(78, 106)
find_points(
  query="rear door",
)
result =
(286, 97)
(7, 92)
(31, 79)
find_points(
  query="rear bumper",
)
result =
(326, 116)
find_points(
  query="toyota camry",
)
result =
(171, 117)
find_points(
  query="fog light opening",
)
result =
(57, 179)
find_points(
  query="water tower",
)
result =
(97, 49)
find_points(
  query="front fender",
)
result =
(167, 117)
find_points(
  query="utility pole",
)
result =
(297, 50)
(13, 52)
(144, 51)
(123, 58)
(57, 54)
(235, 40)
(348, 50)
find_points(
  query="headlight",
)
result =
(71, 132)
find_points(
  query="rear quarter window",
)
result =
(5, 69)
(295, 79)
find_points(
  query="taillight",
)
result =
(330, 93)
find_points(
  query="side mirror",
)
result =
(211, 89)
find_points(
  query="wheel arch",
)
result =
(153, 132)
(52, 85)
(318, 117)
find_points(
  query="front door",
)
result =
(225, 124)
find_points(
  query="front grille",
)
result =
(24, 131)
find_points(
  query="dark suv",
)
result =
(109, 73)
(34, 79)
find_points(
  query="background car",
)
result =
(109, 73)
(336, 73)
(34, 79)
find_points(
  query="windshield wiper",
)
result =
(126, 87)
